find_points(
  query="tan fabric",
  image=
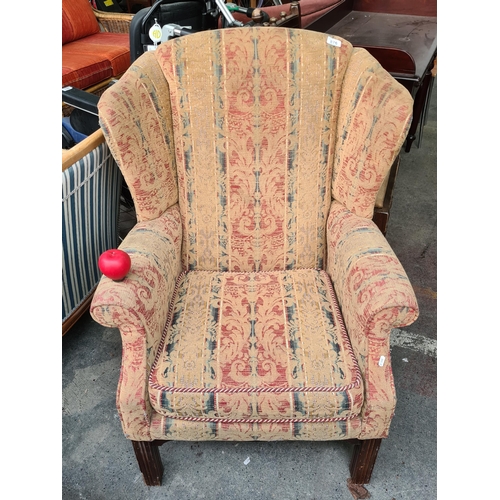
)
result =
(137, 121)
(379, 200)
(256, 347)
(184, 430)
(374, 118)
(254, 183)
(375, 296)
(133, 306)
(251, 131)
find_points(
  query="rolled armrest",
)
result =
(375, 296)
(138, 306)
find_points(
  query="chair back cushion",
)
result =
(253, 131)
(78, 20)
(254, 117)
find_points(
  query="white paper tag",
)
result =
(333, 41)
(381, 361)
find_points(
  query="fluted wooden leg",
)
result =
(148, 457)
(363, 460)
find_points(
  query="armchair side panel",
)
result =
(138, 306)
(136, 119)
(376, 296)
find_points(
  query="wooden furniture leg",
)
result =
(78, 313)
(361, 467)
(381, 214)
(363, 460)
(148, 457)
(418, 108)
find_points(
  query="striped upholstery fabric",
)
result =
(90, 207)
(258, 348)
(256, 194)
(246, 183)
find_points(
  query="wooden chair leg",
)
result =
(363, 460)
(148, 457)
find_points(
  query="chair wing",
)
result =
(136, 117)
(374, 118)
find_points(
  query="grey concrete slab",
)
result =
(99, 463)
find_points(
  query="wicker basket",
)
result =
(113, 22)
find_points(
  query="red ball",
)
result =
(115, 264)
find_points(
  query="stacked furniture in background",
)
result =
(95, 50)
(402, 36)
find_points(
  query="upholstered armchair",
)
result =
(261, 296)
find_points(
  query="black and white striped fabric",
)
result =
(90, 208)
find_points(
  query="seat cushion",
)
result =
(95, 58)
(84, 70)
(256, 347)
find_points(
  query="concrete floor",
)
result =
(98, 461)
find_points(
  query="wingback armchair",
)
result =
(261, 296)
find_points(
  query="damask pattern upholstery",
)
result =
(261, 296)
(255, 224)
(371, 113)
(375, 296)
(261, 347)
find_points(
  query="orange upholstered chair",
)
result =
(261, 296)
(95, 45)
